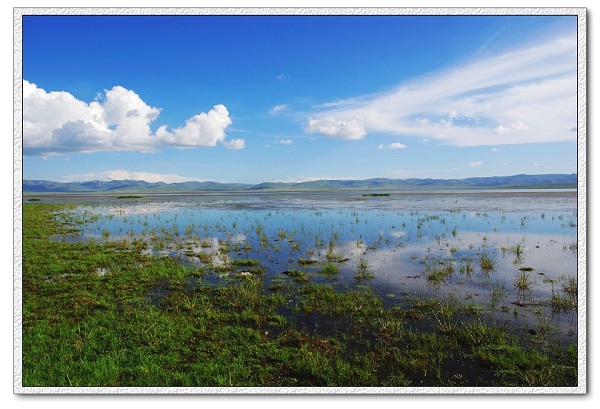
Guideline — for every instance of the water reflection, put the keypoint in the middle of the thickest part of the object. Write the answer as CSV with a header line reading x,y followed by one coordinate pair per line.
x,y
474,246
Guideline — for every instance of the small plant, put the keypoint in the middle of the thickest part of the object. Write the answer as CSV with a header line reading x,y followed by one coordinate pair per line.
x,y
306,261
518,251
440,272
244,262
498,292
522,282
299,276
330,269
447,316
205,258
362,270
568,299
486,262
570,287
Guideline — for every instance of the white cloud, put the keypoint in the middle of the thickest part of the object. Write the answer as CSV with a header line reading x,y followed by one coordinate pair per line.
x,y
282,77
205,129
234,144
284,141
446,122
475,164
394,145
518,126
56,123
331,127
277,109
120,174
525,95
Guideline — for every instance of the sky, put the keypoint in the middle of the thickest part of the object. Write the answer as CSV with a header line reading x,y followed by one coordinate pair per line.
x,y
288,98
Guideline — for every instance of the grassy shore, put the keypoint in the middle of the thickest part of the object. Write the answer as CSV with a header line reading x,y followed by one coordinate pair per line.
x,y
104,313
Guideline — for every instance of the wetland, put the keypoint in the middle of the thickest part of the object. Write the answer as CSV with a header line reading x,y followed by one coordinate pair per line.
x,y
414,289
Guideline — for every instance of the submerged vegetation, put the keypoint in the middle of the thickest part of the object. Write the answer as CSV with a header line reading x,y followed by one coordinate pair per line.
x,y
120,310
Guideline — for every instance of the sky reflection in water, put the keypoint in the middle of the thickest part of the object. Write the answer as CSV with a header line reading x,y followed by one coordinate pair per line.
x,y
401,237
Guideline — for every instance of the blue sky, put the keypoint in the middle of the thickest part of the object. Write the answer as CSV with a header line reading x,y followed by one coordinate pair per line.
x,y
294,98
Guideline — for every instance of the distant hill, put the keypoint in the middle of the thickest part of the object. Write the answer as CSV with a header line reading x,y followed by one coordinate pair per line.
x,y
548,181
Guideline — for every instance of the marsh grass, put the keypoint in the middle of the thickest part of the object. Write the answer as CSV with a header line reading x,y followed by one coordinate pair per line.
x,y
84,329
486,262
362,269
523,281
438,272
329,269
299,276
565,297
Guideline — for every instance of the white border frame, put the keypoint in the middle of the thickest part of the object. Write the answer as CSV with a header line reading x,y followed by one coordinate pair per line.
x,y
581,14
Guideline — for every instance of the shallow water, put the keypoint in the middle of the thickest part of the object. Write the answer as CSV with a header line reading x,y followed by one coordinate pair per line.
x,y
399,239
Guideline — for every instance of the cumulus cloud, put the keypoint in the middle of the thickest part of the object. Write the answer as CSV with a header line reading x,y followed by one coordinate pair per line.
x,y
56,123
120,174
475,164
331,127
524,95
394,145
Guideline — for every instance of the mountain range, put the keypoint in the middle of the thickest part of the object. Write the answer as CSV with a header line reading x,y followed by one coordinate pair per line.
x,y
548,181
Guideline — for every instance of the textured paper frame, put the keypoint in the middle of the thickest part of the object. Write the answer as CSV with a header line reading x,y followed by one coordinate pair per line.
x,y
581,14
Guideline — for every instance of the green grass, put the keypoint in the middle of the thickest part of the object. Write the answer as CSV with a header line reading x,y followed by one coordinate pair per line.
x,y
245,262
84,329
329,269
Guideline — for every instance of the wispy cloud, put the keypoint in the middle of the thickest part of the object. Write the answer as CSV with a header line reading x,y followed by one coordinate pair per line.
x,y
394,145
525,95
120,174
56,123
476,164
352,128
278,109
282,77
284,141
